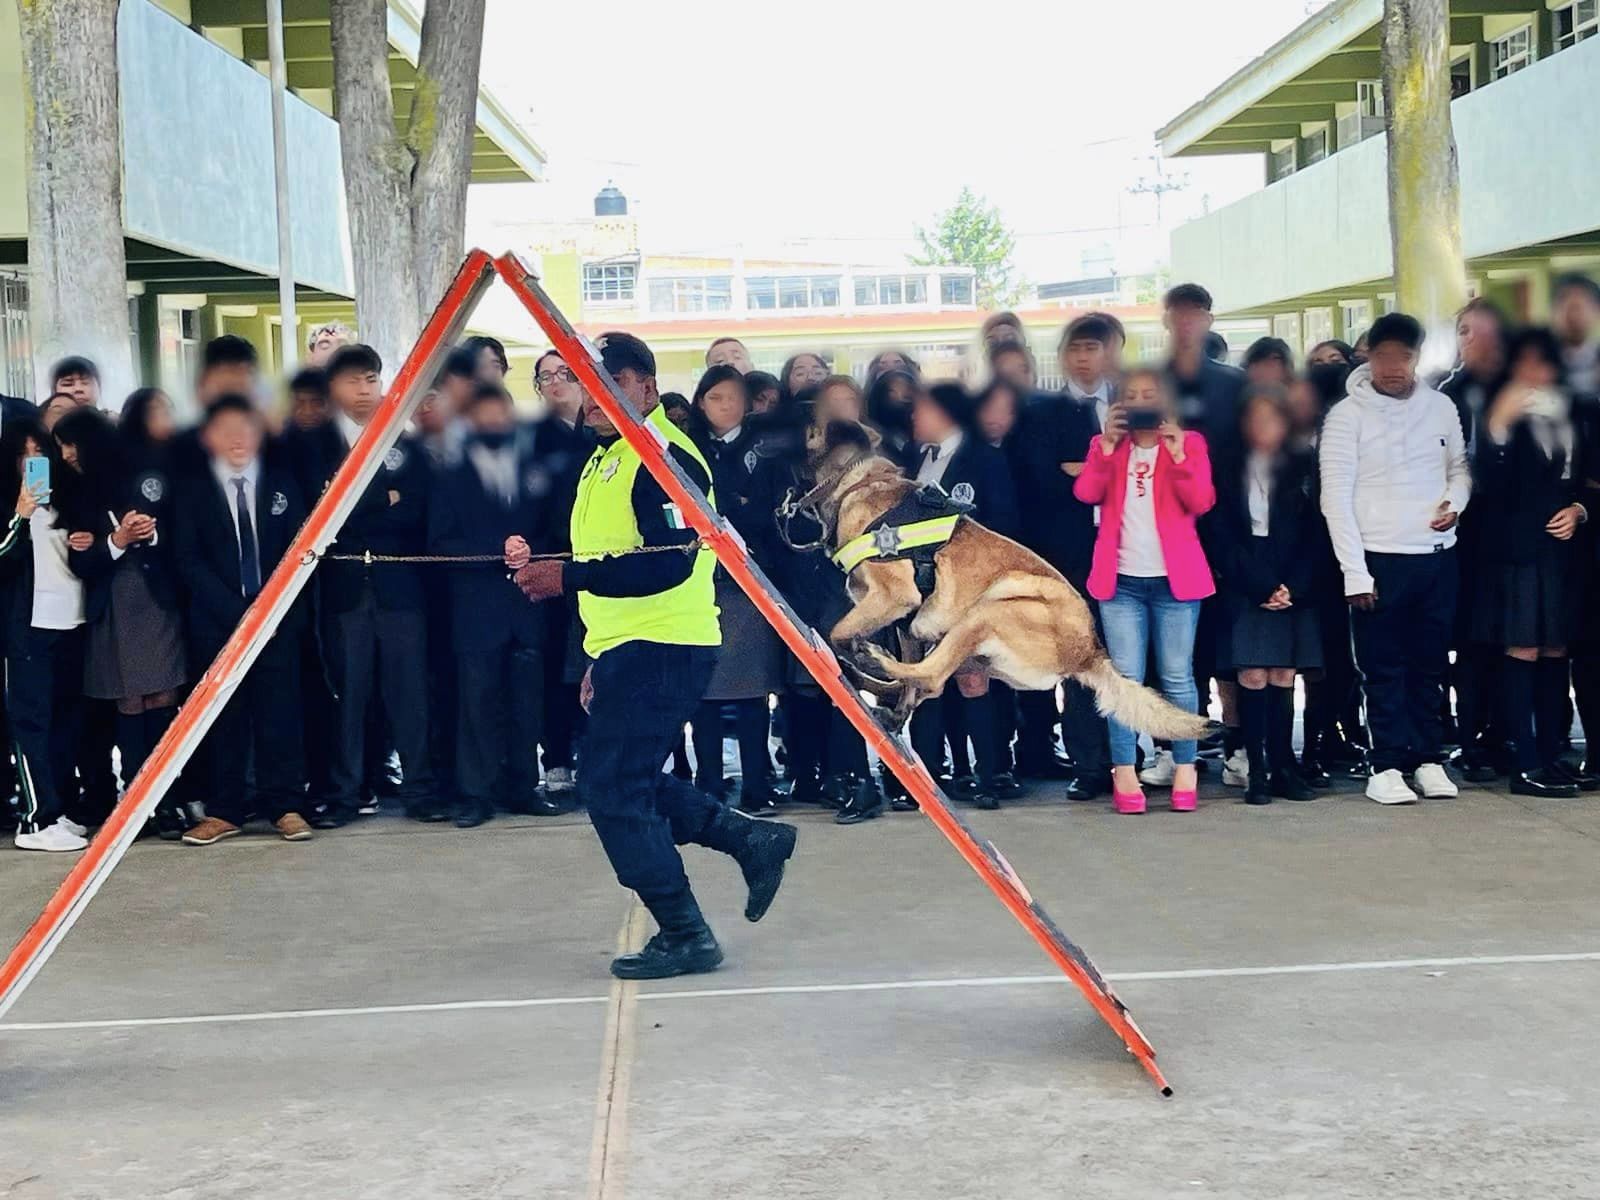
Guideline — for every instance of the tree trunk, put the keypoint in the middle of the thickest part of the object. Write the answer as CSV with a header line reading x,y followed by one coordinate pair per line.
x,y
1424,182
407,196
77,267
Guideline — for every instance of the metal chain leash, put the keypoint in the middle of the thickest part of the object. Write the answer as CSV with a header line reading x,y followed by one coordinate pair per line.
x,y
368,557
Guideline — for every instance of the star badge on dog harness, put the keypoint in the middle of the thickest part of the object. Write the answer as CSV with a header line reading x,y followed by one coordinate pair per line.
x,y
886,539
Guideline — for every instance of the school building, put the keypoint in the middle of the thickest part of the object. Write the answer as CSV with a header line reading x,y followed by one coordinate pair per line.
x,y
199,197
1310,251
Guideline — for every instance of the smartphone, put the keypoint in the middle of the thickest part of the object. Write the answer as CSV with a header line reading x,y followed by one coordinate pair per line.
x,y
1144,418
36,476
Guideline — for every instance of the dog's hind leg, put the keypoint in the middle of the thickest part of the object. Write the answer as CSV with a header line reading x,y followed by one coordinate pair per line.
x,y
955,648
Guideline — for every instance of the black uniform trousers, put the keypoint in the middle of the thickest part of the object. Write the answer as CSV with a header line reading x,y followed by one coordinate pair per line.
x,y
500,692
44,697
644,693
371,648
258,737
1402,651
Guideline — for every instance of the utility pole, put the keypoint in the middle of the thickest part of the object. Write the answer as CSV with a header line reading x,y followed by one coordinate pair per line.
x,y
1160,185
280,179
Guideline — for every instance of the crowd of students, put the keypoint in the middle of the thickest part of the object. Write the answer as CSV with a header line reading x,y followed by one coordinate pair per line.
x,y
1416,555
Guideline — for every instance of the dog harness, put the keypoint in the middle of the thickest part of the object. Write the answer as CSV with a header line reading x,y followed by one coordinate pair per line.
x,y
914,529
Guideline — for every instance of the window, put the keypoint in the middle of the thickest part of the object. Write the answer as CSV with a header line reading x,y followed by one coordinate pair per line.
x,y
1460,77
609,283
1281,162
1576,22
891,289
955,289
1369,98
702,293
1509,54
792,291
761,291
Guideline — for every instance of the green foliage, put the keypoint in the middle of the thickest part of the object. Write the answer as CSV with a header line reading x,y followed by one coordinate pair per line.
x,y
971,233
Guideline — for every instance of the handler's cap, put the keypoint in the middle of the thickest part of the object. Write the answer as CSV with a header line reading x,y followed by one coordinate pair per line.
x,y
624,352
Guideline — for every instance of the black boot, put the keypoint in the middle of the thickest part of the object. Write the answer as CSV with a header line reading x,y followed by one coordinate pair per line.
x,y
685,945
761,848
1542,782
864,802
1285,780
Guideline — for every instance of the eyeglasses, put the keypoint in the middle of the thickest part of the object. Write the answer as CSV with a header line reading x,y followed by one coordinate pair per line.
x,y
559,375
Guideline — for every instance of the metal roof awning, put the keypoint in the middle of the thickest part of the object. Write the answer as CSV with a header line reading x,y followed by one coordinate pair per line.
x,y
502,153
1299,79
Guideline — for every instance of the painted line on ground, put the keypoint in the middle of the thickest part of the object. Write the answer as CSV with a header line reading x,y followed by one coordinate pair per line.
x,y
809,989
608,1146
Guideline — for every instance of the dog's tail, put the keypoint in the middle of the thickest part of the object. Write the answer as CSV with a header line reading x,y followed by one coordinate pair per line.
x,y
1137,707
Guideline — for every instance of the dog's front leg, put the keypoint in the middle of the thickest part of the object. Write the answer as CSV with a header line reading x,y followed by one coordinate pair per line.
x,y
889,594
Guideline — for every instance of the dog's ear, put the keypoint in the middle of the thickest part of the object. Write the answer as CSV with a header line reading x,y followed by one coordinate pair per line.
x,y
849,434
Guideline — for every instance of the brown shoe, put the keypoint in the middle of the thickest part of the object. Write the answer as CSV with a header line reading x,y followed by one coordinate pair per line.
x,y
212,829
292,827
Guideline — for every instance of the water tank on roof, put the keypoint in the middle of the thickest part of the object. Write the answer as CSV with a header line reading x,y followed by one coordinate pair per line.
x,y
610,202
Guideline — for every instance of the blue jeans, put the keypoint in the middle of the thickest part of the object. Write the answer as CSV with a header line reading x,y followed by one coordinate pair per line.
x,y
1142,607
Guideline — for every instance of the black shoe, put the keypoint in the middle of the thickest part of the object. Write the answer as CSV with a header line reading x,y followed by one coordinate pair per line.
x,y
806,791
986,800
1087,787
1311,770
1256,791
1542,782
761,848
669,954
329,818
431,814
758,804
1006,787
1290,786
864,803
966,787
543,806
836,790
170,823
904,803
471,818
1586,779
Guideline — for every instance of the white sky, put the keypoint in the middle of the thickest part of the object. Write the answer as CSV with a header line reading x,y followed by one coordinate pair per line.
x,y
835,126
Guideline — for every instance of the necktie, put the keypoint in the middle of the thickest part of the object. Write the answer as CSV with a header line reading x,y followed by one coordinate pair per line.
x,y
249,564
931,454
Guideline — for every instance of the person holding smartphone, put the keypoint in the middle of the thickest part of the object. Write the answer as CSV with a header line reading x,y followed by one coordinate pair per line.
x,y
44,640
1152,480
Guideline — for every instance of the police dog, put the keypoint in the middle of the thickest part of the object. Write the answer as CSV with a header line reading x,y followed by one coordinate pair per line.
x,y
996,610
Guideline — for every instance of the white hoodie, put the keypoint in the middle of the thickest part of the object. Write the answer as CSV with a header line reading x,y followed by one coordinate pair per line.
x,y
1387,464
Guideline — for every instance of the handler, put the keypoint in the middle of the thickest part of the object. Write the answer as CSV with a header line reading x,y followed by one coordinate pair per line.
x,y
651,622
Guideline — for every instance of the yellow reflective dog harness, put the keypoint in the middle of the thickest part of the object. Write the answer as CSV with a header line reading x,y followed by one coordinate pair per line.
x,y
895,541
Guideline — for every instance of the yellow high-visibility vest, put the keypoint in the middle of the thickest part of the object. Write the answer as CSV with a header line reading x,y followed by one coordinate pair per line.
x,y
603,523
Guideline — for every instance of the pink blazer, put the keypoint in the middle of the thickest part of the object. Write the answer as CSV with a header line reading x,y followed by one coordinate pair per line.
x,y
1183,492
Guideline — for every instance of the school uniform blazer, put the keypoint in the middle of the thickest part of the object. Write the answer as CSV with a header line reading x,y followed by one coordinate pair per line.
x,y
463,518
1053,522
1518,489
96,567
205,549
743,487
980,475
380,522
1183,492
1251,568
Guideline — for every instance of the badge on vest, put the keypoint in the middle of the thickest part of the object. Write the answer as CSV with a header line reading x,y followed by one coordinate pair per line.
x,y
152,489
750,460
395,459
674,516
280,504
610,469
962,493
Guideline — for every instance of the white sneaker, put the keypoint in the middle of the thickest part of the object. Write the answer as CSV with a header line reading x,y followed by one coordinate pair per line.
x,y
559,779
1160,771
1236,769
73,827
1389,787
53,838
1434,783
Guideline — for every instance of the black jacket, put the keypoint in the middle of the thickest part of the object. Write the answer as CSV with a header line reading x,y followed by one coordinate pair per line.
x,y
1251,568
465,518
1053,429
206,549
979,475
147,489
1210,403
744,491
390,518
1517,488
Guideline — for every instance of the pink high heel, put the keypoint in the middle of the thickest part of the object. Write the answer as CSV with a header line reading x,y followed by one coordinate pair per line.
x,y
1127,803
1184,801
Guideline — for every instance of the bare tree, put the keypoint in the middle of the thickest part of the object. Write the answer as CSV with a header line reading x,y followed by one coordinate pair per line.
x,y
1424,180
407,194
77,268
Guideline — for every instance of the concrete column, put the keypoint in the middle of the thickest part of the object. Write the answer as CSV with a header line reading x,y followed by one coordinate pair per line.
x,y
149,348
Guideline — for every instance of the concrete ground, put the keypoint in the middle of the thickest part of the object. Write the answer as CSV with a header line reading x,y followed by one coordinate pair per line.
x,y
1350,1001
